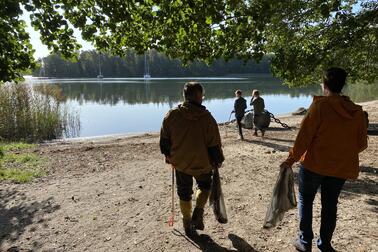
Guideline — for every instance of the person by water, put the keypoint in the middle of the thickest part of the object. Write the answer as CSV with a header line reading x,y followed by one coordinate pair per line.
x,y
240,105
258,110
332,134
191,143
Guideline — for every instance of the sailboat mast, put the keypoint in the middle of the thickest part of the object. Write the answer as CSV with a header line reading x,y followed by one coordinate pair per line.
x,y
146,67
99,64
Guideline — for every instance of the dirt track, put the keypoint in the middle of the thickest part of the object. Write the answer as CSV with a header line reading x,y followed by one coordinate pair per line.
x,y
114,195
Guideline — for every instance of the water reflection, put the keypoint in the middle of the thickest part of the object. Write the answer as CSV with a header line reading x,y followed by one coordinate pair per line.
x,y
170,91
117,106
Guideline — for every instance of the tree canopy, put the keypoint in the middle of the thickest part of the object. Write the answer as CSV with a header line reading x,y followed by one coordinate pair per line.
x,y
303,36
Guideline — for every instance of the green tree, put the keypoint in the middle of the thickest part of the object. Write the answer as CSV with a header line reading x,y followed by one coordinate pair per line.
x,y
304,36
132,65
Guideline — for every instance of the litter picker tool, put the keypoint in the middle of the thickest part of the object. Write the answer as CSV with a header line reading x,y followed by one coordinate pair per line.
x,y
228,122
171,219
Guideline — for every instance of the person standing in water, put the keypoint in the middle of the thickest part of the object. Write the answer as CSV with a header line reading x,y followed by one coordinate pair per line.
x,y
191,143
258,110
240,105
332,134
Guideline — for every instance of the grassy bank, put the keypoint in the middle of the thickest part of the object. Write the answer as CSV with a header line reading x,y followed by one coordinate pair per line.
x,y
18,163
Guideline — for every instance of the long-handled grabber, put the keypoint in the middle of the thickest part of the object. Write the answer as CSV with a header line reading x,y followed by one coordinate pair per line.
x,y
171,219
228,122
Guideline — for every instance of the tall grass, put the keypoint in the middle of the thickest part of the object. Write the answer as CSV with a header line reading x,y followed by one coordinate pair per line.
x,y
35,114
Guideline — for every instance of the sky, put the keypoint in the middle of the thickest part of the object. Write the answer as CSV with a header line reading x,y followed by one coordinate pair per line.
x,y
40,49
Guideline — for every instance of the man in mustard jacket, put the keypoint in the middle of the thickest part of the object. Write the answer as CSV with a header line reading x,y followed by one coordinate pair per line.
x,y
191,143
331,136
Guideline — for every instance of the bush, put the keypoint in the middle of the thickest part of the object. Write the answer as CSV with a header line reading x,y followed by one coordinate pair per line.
x,y
34,114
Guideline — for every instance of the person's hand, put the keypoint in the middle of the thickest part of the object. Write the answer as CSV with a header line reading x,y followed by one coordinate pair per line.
x,y
285,165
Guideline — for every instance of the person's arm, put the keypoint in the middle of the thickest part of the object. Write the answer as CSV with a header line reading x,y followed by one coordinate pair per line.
x,y
306,134
245,105
214,145
165,139
263,103
251,103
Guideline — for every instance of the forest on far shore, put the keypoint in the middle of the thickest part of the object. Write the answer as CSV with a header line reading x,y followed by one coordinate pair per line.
x,y
133,65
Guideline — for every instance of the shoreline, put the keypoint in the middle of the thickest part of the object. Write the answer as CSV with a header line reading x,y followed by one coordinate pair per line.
x,y
109,137
115,195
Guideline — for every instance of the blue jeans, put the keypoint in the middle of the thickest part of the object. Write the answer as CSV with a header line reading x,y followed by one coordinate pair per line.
x,y
309,182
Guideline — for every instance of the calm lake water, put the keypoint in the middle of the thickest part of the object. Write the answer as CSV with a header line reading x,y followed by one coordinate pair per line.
x,y
121,106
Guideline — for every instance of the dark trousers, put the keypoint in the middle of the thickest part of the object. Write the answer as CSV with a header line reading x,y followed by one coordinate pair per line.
x,y
184,184
309,183
238,120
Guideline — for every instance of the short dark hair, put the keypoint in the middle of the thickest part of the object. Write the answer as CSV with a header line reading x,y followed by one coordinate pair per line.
x,y
334,78
191,88
238,92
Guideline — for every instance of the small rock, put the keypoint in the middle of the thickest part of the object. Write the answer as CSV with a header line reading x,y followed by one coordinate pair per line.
x,y
108,239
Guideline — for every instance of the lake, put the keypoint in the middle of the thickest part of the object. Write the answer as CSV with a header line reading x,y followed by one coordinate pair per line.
x,y
134,105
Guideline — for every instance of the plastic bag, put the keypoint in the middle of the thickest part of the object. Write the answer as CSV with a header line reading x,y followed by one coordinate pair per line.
x,y
247,120
283,198
216,198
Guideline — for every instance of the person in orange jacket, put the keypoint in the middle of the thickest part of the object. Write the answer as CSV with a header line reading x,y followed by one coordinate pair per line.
x,y
331,136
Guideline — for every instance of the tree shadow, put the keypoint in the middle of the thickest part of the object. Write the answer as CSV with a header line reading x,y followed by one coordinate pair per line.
x,y
281,128
16,215
274,146
240,244
203,242
280,140
361,186
369,170
374,204
373,129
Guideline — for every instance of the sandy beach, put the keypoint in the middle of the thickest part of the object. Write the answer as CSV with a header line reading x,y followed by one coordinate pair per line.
x,y
114,194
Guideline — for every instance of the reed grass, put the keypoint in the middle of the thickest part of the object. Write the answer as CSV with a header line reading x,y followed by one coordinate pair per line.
x,y
34,114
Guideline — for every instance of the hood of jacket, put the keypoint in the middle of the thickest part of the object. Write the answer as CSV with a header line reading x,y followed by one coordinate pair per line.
x,y
342,105
192,111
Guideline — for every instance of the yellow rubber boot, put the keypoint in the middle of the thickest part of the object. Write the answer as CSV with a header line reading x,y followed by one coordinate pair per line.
x,y
186,211
201,199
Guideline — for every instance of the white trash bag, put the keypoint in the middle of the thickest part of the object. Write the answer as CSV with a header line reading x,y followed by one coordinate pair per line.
x,y
283,198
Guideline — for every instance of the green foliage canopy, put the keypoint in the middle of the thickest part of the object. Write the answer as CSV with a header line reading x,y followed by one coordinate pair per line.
x,y
304,36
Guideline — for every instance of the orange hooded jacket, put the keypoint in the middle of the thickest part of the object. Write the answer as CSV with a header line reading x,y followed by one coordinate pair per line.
x,y
332,134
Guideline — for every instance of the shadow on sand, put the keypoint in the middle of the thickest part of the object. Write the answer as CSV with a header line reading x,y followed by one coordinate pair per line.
x,y
204,242
16,216
373,129
274,146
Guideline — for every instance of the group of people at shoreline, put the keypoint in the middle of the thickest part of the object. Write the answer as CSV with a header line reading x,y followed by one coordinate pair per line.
x,y
332,134
240,105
